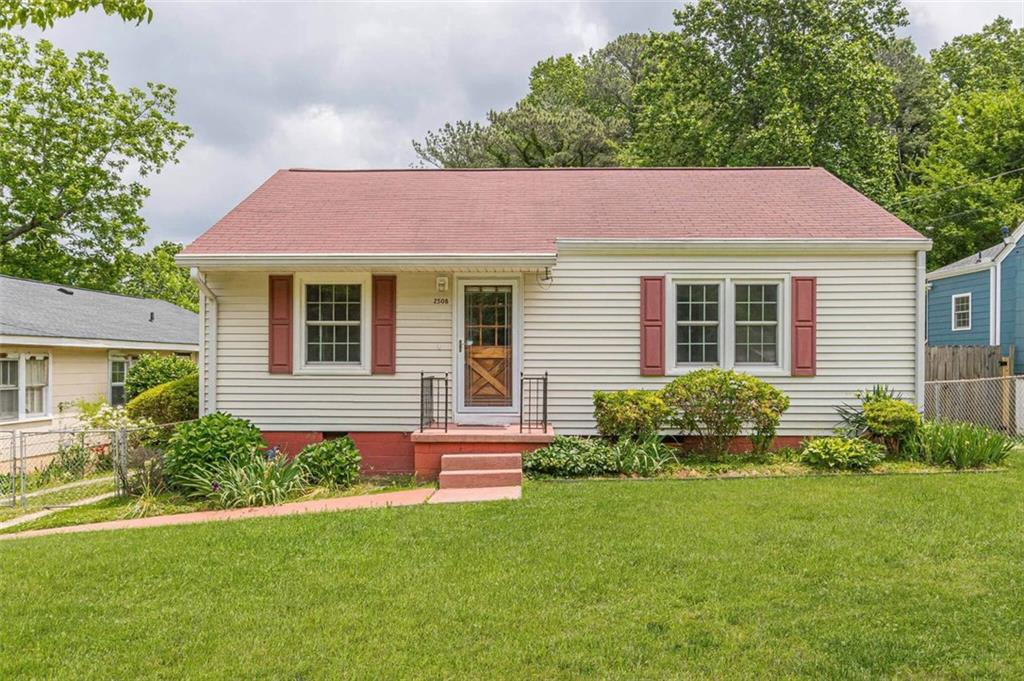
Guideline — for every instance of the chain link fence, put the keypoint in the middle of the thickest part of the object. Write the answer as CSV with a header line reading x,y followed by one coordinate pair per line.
x,y
994,402
52,469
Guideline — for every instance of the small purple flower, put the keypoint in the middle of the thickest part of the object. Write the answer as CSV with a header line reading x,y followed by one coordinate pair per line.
x,y
271,453
215,486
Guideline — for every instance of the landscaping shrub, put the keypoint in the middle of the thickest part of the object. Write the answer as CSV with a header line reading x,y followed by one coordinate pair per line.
x,y
113,418
716,405
842,453
569,457
198,447
851,416
334,463
962,445
256,480
170,402
641,457
630,413
70,463
892,421
151,370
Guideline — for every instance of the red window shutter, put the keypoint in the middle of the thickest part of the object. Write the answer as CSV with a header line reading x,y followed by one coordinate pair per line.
x,y
805,323
652,326
383,329
279,355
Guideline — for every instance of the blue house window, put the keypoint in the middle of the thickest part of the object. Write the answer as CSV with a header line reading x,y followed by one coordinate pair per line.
x,y
962,312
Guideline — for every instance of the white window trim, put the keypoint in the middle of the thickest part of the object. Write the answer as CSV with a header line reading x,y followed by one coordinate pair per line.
x,y
129,360
299,325
970,311
47,412
727,322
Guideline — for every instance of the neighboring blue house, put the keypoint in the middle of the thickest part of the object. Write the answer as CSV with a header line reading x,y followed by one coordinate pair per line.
x,y
980,300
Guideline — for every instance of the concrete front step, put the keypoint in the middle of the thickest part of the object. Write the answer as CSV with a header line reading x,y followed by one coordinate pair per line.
x,y
479,462
507,477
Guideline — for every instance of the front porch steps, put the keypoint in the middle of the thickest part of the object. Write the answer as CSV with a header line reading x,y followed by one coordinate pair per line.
x,y
462,471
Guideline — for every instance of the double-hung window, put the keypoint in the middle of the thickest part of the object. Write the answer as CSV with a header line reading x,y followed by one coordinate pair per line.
x,y
333,321
728,322
962,312
119,366
24,387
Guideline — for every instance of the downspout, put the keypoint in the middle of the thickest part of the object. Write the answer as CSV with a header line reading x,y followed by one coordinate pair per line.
x,y
208,353
919,332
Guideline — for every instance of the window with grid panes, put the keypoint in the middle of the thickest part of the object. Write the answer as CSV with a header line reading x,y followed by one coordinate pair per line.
x,y
333,323
8,389
757,323
697,323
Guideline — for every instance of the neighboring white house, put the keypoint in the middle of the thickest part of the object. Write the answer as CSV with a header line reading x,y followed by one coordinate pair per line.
x,y
60,344
331,298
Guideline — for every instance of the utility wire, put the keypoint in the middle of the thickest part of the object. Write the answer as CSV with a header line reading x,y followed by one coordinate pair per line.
x,y
959,186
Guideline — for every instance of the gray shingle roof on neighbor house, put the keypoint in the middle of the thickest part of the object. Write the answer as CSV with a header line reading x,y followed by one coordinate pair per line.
x,y
984,256
32,308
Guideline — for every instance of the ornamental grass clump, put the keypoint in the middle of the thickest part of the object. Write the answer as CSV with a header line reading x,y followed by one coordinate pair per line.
x,y
265,479
717,405
962,445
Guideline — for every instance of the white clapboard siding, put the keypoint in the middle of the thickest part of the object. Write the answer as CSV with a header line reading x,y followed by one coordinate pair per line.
x,y
583,328
348,402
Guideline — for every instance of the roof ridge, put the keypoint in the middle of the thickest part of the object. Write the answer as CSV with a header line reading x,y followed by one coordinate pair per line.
x,y
512,170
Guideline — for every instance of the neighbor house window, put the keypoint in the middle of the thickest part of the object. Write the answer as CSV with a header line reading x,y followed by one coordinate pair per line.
x,y
962,312
118,372
757,323
731,322
333,319
37,374
24,386
8,389
697,323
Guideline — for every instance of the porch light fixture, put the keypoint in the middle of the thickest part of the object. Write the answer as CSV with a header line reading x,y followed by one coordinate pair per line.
x,y
544,280
442,284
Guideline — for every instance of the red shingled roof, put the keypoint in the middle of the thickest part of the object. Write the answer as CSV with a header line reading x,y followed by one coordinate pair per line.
x,y
525,210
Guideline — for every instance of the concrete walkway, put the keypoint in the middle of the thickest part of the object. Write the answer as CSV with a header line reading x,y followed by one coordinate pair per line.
x,y
50,510
406,498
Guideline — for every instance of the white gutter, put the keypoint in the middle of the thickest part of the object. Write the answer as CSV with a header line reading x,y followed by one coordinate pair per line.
x,y
207,352
919,339
101,343
994,303
390,261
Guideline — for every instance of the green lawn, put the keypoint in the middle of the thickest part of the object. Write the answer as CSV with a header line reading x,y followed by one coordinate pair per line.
x,y
831,577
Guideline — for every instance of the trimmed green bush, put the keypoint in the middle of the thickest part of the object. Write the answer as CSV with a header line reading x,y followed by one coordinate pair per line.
x,y
170,402
333,463
198,447
892,421
717,405
851,416
842,453
962,445
644,457
630,413
151,370
257,480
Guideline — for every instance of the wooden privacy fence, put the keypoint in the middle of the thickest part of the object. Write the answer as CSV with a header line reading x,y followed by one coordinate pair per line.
x,y
956,362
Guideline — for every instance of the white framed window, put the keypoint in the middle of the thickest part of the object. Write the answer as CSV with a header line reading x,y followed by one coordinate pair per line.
x,y
332,333
962,312
119,366
698,323
24,387
734,321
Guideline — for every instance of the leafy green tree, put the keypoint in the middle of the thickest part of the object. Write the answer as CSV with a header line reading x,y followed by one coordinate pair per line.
x,y
919,93
971,181
578,112
990,58
154,274
43,13
70,142
151,370
772,82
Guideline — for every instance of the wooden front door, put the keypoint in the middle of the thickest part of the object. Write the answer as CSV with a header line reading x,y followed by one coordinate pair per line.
x,y
488,337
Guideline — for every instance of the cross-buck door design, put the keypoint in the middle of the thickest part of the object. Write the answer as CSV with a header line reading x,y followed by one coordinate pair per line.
x,y
488,351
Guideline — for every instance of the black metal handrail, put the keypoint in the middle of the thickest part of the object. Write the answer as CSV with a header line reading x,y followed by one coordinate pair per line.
x,y
533,402
435,401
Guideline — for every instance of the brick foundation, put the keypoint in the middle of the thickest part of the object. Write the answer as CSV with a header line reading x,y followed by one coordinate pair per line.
x,y
382,453
743,444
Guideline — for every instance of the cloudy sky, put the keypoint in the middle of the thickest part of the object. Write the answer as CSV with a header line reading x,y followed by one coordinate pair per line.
x,y
268,85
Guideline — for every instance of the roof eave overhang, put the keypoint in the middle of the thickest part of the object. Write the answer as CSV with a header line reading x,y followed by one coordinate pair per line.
x,y
97,343
744,246
386,261
967,269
